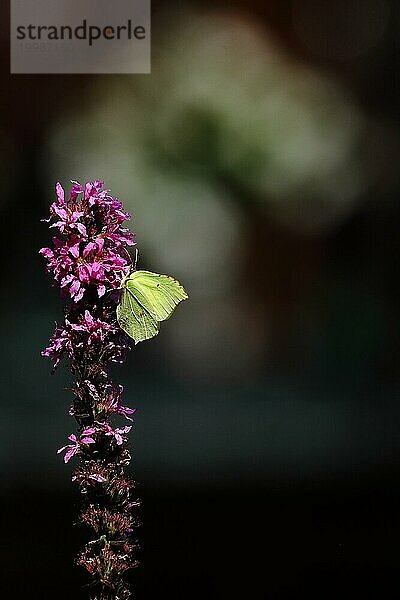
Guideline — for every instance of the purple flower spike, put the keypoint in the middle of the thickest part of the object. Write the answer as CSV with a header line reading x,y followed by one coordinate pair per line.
x,y
87,260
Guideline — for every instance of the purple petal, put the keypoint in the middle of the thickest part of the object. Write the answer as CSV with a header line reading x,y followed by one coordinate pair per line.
x,y
90,247
89,431
75,286
59,224
61,212
83,273
77,327
88,440
79,295
100,245
82,229
125,411
125,429
60,193
76,190
96,267
89,319
70,453
46,252
74,250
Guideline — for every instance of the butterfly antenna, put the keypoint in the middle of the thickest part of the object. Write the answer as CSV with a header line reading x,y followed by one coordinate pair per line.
x,y
136,259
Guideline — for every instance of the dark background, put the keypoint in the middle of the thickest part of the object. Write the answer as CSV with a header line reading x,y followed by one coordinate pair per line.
x,y
261,167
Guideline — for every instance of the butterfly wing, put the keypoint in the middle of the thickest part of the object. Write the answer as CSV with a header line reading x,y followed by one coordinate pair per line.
x,y
134,319
158,295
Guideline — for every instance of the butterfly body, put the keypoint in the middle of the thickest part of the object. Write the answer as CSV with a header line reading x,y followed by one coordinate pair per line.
x,y
147,299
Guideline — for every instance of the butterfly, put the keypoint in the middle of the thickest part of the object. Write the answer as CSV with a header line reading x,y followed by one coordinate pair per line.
x,y
147,299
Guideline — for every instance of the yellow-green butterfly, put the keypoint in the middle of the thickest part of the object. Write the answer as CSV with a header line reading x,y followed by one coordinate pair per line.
x,y
147,299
